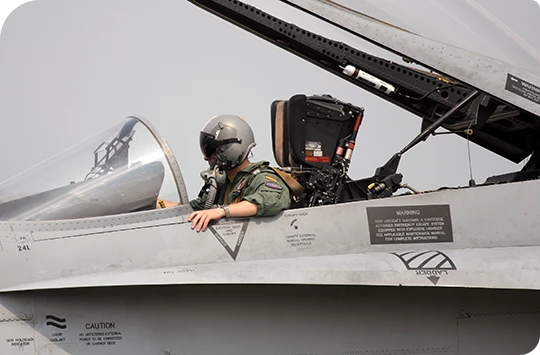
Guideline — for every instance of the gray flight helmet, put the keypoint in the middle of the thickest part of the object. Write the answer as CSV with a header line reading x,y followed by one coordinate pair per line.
x,y
226,141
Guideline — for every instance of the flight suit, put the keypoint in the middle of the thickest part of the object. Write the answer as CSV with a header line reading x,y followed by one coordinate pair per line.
x,y
266,190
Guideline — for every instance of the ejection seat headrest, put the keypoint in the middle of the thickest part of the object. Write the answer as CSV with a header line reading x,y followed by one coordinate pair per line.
x,y
281,134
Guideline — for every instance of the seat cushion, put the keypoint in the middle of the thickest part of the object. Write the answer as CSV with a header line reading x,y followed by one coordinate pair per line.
x,y
280,136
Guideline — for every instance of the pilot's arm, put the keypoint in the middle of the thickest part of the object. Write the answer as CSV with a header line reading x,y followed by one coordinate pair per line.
x,y
267,195
200,219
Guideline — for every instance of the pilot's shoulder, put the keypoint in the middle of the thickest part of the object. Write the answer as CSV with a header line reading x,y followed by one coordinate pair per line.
x,y
263,168
269,180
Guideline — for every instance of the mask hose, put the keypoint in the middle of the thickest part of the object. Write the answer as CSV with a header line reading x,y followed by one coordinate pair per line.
x,y
213,178
211,184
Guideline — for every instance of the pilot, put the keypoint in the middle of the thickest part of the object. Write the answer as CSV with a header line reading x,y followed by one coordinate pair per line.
x,y
250,189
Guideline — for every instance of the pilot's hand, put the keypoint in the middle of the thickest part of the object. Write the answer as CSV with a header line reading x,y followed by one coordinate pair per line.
x,y
200,219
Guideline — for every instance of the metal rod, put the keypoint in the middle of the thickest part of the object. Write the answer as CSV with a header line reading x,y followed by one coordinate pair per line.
x,y
405,186
425,133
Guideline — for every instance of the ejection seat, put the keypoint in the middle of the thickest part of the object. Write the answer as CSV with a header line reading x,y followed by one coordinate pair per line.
x,y
312,139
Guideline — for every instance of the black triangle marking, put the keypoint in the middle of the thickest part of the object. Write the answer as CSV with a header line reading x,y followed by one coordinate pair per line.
x,y
232,253
434,279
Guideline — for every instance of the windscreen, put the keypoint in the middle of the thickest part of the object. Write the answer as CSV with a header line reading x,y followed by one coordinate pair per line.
x,y
122,169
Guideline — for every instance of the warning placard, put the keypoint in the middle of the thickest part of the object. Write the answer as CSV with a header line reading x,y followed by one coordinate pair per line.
x,y
522,88
410,224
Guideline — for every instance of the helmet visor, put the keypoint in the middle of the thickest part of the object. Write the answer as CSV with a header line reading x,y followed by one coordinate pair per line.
x,y
209,144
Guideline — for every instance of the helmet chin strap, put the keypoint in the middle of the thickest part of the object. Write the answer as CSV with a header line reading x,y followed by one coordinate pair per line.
x,y
221,160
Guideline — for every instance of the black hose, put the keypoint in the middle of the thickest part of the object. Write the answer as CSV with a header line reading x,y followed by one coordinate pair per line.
x,y
212,192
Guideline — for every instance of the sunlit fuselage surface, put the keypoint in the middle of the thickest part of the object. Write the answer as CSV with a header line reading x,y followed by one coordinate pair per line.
x,y
120,170
426,305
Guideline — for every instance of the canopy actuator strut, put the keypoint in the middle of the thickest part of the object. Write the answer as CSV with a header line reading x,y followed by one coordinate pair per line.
x,y
391,166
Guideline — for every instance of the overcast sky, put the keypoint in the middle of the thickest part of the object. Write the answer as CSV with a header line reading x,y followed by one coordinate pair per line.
x,y
70,69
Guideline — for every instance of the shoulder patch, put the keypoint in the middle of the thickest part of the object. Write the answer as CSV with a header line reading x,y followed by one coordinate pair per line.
x,y
273,185
268,177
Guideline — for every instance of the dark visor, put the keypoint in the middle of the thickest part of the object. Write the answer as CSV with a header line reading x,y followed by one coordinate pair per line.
x,y
209,144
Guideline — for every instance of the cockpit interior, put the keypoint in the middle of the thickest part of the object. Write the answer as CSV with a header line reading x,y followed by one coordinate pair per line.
x,y
130,168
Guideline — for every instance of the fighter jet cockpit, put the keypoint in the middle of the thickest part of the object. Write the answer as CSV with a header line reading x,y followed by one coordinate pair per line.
x,y
123,169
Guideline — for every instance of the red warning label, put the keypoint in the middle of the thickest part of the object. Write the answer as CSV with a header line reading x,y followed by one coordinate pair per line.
x,y
313,159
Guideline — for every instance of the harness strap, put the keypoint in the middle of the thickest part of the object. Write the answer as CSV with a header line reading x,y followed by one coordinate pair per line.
x,y
293,185
291,182
239,192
